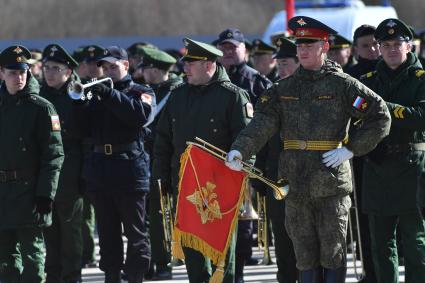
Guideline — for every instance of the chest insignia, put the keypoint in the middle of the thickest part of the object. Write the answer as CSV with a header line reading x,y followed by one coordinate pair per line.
x,y
289,98
398,112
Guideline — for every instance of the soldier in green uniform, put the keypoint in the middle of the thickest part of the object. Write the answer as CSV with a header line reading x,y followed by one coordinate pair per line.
x,y
311,110
267,160
340,51
391,171
208,106
156,67
263,61
63,239
31,156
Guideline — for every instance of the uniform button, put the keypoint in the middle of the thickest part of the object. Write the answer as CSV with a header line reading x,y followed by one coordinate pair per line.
x,y
24,149
20,138
303,145
212,120
26,183
215,130
173,119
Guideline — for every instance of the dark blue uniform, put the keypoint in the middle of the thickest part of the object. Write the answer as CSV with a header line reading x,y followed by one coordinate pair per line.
x,y
117,172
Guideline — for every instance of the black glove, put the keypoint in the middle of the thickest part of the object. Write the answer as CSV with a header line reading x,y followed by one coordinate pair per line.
x,y
43,205
101,90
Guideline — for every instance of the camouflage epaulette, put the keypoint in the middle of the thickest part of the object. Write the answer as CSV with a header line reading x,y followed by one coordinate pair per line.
x,y
368,75
231,87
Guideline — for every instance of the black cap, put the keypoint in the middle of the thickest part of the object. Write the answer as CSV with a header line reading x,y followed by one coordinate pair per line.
x,y
92,53
56,53
285,49
363,30
274,37
78,54
307,29
248,45
231,35
196,51
112,54
337,41
15,57
260,47
390,29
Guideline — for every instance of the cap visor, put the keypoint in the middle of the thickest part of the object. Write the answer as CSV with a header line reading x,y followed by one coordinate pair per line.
x,y
305,40
109,59
232,41
18,66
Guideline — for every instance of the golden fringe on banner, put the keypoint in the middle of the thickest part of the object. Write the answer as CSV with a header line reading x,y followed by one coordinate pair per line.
x,y
185,239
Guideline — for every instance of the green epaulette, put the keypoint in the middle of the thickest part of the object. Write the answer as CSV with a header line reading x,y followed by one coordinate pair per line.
x,y
38,100
231,87
367,75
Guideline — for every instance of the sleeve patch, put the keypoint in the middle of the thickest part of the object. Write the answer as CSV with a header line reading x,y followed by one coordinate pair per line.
x,y
56,124
249,110
398,112
360,103
146,98
419,73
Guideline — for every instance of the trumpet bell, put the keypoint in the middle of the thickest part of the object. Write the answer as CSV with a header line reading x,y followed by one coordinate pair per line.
x,y
76,90
281,189
248,212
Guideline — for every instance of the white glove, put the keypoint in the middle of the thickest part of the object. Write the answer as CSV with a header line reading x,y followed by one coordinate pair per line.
x,y
234,160
335,157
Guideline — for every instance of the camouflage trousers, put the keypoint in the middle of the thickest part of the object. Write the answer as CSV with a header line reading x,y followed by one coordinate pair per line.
x,y
318,230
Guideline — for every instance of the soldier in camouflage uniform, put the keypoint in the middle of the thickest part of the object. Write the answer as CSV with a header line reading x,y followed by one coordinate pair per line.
x,y
31,156
208,106
391,172
312,109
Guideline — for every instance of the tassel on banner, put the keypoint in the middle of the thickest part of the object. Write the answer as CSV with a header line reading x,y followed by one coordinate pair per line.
x,y
218,275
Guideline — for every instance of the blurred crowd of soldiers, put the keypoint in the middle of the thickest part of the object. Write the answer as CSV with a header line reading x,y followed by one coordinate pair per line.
x,y
104,166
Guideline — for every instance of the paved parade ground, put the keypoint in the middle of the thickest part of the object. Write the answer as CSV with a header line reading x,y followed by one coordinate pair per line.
x,y
253,274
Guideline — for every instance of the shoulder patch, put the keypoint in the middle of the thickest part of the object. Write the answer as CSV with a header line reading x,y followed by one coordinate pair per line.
x,y
360,103
56,124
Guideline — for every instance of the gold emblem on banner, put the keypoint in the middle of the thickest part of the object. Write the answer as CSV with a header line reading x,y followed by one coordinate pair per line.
x,y
206,203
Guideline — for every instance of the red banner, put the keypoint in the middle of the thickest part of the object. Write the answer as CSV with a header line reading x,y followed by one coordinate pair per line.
x,y
210,195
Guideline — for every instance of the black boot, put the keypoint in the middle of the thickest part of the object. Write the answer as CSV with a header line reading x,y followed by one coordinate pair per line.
x,y
335,275
113,276
135,277
163,272
311,275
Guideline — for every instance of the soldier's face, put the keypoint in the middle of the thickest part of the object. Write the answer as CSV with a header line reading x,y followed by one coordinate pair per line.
x,y
116,71
394,52
367,47
311,55
341,56
56,74
263,63
232,54
196,72
15,80
287,66
93,70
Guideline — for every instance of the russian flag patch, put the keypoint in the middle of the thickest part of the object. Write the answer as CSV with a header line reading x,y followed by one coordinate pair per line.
x,y
360,103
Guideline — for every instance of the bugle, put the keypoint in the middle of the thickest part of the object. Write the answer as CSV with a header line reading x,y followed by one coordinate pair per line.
x,y
263,236
280,190
76,89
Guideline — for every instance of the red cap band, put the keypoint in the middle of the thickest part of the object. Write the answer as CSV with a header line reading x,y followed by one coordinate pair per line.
x,y
311,33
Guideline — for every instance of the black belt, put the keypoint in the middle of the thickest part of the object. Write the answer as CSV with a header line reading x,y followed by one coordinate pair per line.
x,y
14,175
109,149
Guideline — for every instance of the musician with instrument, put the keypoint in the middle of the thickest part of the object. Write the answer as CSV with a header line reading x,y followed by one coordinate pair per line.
x,y
117,170
311,110
208,106
63,239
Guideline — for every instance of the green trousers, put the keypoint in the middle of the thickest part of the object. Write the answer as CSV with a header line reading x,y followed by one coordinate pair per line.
x,y
88,228
199,268
21,255
64,245
384,247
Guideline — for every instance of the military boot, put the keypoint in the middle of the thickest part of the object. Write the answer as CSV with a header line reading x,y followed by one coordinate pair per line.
x,y
113,276
311,275
335,275
135,277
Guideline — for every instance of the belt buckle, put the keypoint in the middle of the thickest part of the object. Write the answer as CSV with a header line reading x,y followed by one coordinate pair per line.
x,y
303,145
107,149
3,177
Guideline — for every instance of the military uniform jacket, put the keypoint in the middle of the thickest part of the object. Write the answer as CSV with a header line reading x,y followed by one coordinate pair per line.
x,y
215,112
31,146
316,106
390,176
117,119
250,80
70,177
362,67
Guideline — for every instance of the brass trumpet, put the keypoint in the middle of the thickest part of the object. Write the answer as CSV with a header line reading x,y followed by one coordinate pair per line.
x,y
280,190
263,237
167,219
76,89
